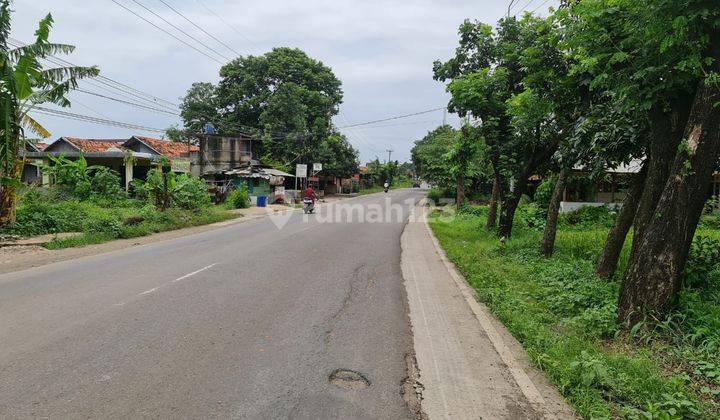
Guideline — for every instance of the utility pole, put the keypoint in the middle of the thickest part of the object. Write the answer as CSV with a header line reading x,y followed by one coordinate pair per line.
x,y
389,153
445,117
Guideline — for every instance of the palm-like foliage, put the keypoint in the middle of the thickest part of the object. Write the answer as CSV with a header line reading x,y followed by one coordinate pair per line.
x,y
24,84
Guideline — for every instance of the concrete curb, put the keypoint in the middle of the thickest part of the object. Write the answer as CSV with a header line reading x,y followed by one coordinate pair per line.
x,y
507,347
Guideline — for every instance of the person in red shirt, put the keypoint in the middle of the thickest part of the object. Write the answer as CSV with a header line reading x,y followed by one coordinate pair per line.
x,y
310,193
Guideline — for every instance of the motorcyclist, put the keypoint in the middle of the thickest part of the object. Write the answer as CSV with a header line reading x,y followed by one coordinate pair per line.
x,y
310,193
386,186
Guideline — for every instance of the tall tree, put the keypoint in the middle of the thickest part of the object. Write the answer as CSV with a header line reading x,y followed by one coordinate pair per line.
x,y
199,107
338,157
621,45
286,94
429,153
653,276
488,81
24,84
658,58
464,160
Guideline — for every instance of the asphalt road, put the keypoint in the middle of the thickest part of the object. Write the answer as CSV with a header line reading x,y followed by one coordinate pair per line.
x,y
247,321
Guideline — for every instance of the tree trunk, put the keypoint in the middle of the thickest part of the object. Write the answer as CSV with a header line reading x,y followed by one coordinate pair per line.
x,y
460,191
509,206
9,196
666,133
652,279
547,245
616,238
492,210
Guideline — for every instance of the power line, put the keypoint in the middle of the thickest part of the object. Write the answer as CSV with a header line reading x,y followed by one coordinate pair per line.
x,y
393,118
93,120
225,22
200,28
126,102
541,5
103,80
180,29
397,124
512,2
122,94
168,32
526,5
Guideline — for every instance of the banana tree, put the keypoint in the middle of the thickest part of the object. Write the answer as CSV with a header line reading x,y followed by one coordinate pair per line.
x,y
24,84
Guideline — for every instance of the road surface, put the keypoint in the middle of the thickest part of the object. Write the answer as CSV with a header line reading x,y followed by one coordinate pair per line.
x,y
248,321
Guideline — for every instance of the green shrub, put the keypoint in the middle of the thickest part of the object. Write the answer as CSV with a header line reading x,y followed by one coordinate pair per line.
x,y
703,265
108,224
139,190
543,194
435,195
588,216
529,216
192,192
105,184
239,198
468,209
38,217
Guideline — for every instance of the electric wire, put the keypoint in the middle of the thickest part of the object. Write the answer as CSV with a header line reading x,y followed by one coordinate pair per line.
x,y
541,5
200,28
225,22
394,118
167,32
180,30
95,120
106,81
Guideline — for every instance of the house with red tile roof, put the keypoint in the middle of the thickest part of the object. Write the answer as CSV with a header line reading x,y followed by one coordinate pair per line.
x,y
130,158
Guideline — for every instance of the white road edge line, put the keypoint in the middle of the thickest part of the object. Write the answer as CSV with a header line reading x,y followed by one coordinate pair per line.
x,y
521,377
154,289
194,272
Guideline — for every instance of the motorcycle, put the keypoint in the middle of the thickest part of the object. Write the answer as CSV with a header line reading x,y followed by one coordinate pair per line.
x,y
308,205
386,190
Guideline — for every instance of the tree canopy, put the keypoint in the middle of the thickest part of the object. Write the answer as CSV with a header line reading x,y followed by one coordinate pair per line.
x,y
599,83
284,97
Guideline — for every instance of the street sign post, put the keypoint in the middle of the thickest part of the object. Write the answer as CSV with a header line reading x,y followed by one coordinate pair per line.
x,y
317,167
300,172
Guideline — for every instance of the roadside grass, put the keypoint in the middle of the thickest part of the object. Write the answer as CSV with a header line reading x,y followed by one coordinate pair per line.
x,y
103,220
565,319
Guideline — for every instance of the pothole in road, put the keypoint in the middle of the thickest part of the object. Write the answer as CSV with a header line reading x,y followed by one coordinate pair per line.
x,y
349,379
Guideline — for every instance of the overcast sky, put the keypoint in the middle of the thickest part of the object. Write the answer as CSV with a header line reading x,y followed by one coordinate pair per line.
x,y
381,50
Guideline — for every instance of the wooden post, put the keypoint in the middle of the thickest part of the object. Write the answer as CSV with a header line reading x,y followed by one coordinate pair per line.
x,y
129,166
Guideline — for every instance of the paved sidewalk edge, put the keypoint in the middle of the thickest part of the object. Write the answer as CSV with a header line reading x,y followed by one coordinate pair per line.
x,y
510,350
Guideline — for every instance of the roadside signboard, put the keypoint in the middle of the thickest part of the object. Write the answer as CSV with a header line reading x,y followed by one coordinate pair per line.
x,y
301,170
317,167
